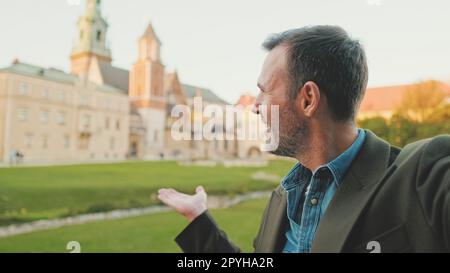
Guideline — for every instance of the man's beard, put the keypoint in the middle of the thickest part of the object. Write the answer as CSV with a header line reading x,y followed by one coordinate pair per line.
x,y
293,133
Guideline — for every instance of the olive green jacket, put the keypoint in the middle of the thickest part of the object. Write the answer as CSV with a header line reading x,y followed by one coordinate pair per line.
x,y
389,201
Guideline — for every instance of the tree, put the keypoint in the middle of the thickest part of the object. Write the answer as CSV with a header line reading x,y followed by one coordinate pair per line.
x,y
421,100
423,113
402,130
378,125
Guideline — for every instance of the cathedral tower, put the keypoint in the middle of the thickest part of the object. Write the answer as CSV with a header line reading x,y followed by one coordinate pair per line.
x,y
146,91
91,41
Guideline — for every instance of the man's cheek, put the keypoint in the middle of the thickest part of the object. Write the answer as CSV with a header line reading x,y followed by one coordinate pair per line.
x,y
270,115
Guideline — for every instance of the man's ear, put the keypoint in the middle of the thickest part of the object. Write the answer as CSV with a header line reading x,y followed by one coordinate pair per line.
x,y
308,99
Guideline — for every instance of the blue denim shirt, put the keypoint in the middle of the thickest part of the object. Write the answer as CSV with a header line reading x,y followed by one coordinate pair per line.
x,y
309,193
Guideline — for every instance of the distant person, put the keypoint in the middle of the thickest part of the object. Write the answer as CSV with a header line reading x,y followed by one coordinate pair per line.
x,y
19,157
350,190
12,157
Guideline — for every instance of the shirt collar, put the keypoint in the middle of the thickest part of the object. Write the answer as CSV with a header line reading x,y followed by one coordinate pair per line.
x,y
291,179
340,164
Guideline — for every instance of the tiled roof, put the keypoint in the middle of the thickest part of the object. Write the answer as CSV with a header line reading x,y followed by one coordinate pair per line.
x,y
389,97
246,100
173,89
207,95
149,32
51,74
116,77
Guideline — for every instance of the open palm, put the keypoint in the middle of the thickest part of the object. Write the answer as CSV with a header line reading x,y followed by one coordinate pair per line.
x,y
190,206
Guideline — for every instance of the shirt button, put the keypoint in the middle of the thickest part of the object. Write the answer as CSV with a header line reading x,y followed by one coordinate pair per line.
x,y
314,201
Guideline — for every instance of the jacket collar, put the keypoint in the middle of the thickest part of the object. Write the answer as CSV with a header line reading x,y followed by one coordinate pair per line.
x,y
359,184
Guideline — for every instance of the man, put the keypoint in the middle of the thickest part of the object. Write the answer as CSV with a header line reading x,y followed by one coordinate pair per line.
x,y
350,191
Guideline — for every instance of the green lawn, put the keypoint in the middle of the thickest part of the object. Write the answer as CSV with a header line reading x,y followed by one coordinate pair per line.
x,y
33,193
151,233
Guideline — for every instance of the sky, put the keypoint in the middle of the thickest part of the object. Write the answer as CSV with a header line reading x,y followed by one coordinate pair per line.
x,y
217,44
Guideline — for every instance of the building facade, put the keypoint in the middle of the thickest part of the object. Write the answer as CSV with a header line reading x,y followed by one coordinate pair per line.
x,y
48,115
99,111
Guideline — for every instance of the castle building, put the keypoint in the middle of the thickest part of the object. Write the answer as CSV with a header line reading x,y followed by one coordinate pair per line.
x,y
99,111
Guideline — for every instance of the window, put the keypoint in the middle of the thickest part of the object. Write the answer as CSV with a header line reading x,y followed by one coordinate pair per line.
x,y
62,96
61,119
155,136
28,140
45,93
24,89
99,36
44,142
66,142
23,114
118,125
83,141
86,121
44,116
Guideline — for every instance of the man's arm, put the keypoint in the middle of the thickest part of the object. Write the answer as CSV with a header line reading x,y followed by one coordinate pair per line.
x,y
433,186
202,235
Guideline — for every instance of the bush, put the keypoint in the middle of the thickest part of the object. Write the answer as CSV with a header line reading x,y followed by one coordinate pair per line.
x,y
401,130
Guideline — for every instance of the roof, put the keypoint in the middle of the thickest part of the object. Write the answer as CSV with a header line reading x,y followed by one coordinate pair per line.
x,y
246,100
52,74
207,95
150,33
114,76
173,89
390,97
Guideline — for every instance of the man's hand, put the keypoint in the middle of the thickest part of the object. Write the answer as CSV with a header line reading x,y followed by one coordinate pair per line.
x,y
190,206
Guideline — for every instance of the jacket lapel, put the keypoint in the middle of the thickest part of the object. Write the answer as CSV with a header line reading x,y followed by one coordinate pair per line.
x,y
274,224
356,189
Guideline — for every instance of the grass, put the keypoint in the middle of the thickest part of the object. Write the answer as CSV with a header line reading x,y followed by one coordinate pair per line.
x,y
150,233
32,193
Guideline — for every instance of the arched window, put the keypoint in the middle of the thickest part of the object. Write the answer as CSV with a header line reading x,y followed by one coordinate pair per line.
x,y
99,35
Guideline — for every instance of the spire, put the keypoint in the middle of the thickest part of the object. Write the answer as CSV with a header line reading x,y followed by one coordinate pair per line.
x,y
149,45
150,34
91,40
